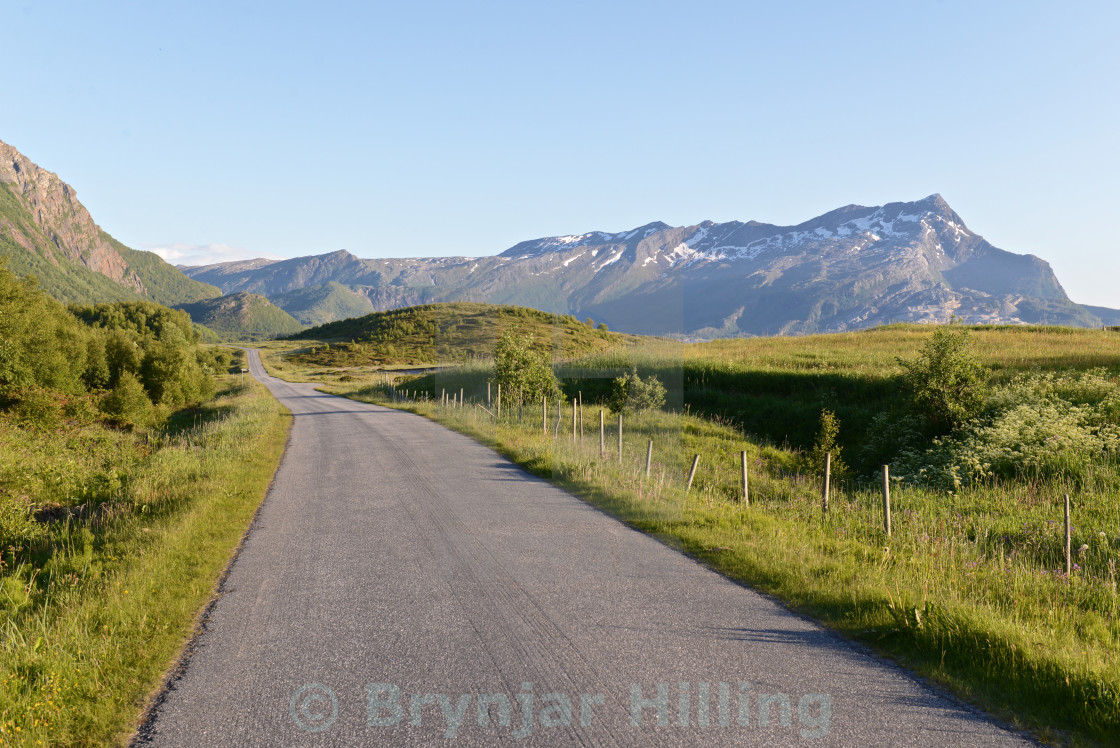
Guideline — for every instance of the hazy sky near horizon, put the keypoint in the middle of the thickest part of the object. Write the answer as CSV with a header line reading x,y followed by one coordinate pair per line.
x,y
230,130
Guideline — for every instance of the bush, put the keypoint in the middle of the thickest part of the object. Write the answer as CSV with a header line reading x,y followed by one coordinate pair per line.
x,y
96,375
827,443
1039,426
520,369
17,527
37,408
632,393
946,381
127,403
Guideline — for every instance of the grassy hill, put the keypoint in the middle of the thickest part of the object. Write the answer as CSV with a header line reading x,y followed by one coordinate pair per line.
x,y
242,316
320,304
451,332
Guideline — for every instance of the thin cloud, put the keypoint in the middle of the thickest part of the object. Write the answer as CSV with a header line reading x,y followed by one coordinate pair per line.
x,y
205,254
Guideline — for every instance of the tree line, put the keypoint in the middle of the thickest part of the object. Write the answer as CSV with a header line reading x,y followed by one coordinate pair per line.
x,y
127,363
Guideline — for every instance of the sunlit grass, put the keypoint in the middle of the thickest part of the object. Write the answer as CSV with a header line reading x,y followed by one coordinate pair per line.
x,y
970,589
138,529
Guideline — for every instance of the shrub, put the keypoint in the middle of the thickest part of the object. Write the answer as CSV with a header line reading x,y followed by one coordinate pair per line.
x,y
127,403
122,354
946,381
37,408
17,527
520,369
1038,426
632,393
827,443
96,375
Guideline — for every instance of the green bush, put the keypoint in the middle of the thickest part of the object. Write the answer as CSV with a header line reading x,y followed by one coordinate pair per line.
x,y
1038,426
631,393
37,408
828,443
122,354
18,528
82,410
519,368
96,375
127,403
946,381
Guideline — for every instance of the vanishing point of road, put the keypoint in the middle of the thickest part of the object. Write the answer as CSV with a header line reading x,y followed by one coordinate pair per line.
x,y
404,585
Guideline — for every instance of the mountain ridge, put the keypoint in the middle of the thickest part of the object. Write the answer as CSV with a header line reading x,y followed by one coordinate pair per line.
x,y
45,231
855,266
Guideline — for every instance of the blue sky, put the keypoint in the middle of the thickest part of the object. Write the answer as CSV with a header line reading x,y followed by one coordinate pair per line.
x,y
229,130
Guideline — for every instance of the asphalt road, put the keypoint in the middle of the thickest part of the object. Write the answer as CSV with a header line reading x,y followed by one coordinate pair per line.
x,y
399,576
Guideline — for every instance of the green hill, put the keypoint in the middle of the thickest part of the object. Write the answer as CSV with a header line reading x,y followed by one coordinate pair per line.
x,y
322,303
451,332
242,316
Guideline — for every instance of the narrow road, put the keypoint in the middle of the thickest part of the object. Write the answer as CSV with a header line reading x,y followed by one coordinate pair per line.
x,y
404,585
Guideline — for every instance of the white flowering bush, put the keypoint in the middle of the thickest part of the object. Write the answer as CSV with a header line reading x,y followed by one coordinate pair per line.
x,y
1042,425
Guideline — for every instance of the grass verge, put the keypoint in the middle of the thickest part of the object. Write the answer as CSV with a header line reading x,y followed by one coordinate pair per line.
x,y
129,554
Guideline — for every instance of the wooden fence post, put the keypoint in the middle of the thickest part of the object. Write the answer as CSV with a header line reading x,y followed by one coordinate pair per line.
x,y
443,396
1069,560
746,493
499,401
544,414
460,397
649,457
887,500
692,473
827,480
488,403
575,415
620,437
581,416
520,403
602,435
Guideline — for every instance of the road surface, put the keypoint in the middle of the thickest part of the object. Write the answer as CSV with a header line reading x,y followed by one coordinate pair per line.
x,y
404,585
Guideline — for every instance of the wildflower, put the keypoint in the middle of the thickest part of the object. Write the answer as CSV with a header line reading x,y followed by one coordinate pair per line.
x,y
1082,549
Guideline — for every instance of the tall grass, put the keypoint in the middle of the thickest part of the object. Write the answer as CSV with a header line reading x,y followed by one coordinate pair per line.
x,y
135,531
969,591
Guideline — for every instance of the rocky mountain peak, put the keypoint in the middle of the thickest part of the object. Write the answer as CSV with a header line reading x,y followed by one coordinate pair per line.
x,y
54,207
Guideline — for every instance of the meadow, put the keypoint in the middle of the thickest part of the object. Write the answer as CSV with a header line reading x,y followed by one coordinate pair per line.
x,y
131,532
969,590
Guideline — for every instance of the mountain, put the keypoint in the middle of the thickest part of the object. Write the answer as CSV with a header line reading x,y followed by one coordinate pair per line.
x,y
324,302
46,232
851,268
1108,316
242,315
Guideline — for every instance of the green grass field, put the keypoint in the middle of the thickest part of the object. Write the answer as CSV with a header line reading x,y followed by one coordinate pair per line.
x,y
134,530
970,589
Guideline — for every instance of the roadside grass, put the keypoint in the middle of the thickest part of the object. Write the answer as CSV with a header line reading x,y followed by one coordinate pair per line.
x,y
969,591
774,389
133,533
